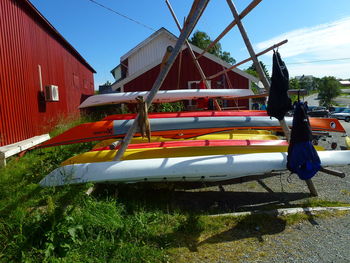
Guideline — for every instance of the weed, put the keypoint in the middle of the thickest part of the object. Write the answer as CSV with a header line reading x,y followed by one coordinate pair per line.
x,y
316,202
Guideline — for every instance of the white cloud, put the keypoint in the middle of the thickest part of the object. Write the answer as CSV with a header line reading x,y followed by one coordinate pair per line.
x,y
321,42
339,70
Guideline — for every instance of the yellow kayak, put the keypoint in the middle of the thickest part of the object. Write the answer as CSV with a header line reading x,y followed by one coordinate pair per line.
x,y
161,152
212,136
347,142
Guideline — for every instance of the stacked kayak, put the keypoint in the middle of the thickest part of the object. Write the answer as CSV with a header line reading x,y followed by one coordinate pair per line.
x,y
182,169
227,135
163,96
182,127
185,146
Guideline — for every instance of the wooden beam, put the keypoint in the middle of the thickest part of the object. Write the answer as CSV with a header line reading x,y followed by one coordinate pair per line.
x,y
163,73
187,44
249,8
249,46
248,59
258,67
195,61
311,187
332,172
193,8
263,78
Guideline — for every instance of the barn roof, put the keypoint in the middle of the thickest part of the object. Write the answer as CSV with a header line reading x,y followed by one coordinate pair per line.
x,y
35,12
195,48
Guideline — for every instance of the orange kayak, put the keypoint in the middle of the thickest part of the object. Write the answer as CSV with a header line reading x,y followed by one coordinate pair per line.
x,y
182,127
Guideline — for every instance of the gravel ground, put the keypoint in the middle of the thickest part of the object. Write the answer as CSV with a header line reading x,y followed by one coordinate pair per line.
x,y
314,240
321,240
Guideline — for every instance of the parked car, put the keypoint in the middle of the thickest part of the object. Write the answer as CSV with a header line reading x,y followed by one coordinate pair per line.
x,y
344,115
336,109
318,111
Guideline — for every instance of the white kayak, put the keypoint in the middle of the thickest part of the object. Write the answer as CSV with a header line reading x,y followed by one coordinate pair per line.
x,y
182,169
163,96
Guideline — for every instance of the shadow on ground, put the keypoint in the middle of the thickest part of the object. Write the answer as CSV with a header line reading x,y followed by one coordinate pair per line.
x,y
255,226
204,202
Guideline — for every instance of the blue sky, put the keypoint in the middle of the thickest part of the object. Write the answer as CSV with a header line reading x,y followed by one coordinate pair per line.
x,y
318,30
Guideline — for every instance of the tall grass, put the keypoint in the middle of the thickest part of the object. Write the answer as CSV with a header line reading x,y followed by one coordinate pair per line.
x,y
64,224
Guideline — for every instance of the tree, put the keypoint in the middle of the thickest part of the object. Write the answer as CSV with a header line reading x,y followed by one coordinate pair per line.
x,y
328,88
202,40
294,83
108,83
252,69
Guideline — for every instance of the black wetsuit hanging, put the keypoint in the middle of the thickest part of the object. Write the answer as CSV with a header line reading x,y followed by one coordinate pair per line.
x,y
302,157
279,103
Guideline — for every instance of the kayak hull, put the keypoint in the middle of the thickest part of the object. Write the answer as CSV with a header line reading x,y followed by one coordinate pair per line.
x,y
211,168
155,115
183,127
182,149
212,136
164,96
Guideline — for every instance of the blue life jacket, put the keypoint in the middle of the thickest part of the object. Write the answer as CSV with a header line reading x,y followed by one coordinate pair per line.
x,y
302,157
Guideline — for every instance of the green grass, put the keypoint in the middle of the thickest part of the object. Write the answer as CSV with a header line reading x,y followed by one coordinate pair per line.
x,y
115,224
64,224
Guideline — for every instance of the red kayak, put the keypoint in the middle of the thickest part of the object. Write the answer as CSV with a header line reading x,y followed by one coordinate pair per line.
x,y
201,143
154,115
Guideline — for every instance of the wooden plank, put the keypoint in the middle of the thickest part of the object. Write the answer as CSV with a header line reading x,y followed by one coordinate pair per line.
x,y
15,148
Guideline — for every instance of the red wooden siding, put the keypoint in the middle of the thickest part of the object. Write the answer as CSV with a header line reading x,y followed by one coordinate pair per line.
x,y
189,72
26,41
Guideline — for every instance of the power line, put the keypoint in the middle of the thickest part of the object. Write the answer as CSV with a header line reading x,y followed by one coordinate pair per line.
x,y
312,61
124,16
321,60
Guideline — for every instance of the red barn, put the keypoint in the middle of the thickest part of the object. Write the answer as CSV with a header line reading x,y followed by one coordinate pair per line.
x,y
139,68
42,77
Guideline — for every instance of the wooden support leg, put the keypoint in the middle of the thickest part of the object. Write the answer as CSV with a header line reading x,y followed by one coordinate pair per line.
x,y
2,160
221,188
311,187
332,172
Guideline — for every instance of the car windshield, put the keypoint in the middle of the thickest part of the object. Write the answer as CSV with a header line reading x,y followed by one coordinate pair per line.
x,y
339,110
318,108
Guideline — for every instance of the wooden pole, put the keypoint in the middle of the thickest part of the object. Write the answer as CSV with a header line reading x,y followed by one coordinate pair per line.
x,y
252,54
263,79
188,28
249,46
311,187
249,8
199,68
248,59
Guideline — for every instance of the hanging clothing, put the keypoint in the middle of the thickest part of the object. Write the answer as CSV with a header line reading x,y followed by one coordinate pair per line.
x,y
279,103
302,157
